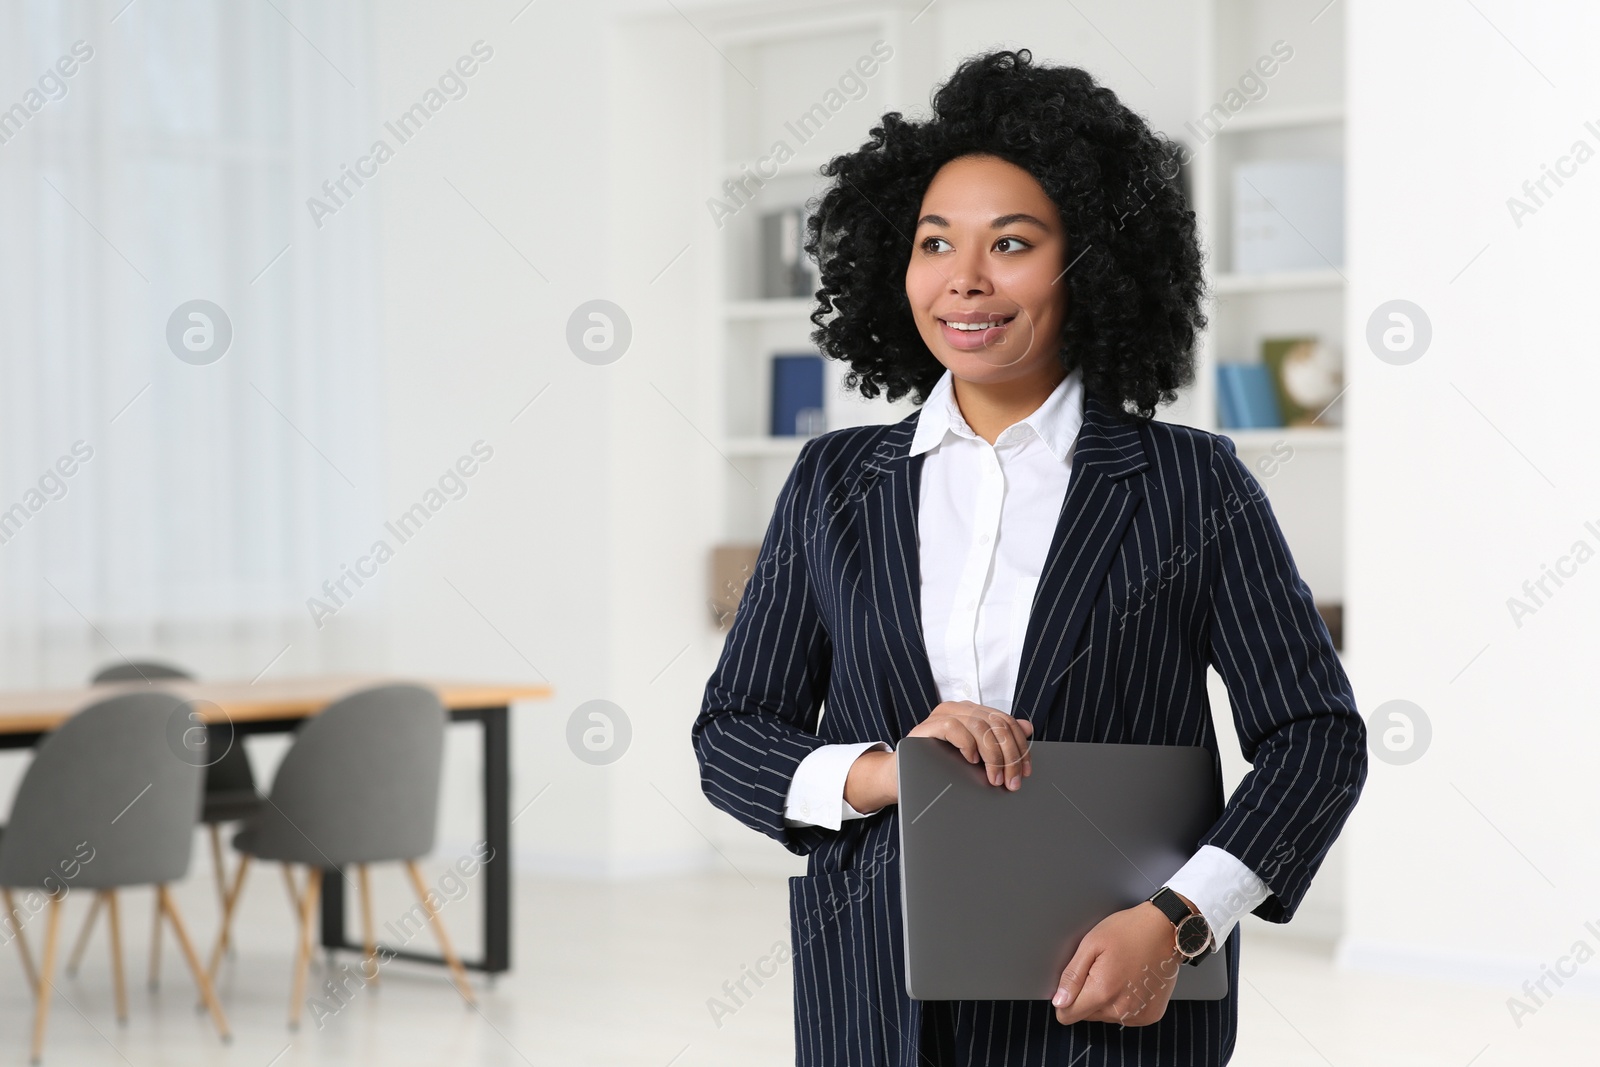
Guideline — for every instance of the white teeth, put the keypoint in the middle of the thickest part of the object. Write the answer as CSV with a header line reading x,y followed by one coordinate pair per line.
x,y
974,325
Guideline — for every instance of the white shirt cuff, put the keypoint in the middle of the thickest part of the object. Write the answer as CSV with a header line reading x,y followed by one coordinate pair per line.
x,y
1222,887
816,792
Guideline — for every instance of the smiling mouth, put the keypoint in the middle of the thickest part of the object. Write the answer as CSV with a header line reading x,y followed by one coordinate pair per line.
x,y
976,327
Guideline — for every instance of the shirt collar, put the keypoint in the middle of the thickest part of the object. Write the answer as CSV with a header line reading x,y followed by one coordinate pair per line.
x,y
1055,422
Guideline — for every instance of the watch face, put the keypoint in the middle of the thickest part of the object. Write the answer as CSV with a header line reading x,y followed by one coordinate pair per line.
x,y
1194,936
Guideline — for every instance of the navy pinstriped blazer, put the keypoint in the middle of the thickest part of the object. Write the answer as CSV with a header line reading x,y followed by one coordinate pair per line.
x,y
1166,558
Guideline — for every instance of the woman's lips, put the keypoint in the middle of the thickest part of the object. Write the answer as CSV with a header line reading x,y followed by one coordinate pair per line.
x,y
967,340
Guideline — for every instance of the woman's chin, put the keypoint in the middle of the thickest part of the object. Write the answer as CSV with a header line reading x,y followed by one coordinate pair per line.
x,y
995,363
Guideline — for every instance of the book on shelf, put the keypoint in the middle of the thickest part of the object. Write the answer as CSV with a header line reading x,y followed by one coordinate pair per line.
x,y
1306,379
1245,399
797,405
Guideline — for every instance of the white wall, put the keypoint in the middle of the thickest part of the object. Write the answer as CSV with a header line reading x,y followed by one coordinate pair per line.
x,y
1469,470
472,333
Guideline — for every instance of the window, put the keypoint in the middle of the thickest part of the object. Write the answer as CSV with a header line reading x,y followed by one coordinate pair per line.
x,y
157,494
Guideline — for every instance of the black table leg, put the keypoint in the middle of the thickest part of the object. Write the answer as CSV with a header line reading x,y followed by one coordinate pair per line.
x,y
332,908
496,869
497,833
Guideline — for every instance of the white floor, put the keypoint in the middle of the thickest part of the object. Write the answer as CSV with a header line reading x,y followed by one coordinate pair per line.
x,y
622,973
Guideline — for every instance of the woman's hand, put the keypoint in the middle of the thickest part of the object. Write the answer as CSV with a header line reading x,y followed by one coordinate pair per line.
x,y
1123,971
983,734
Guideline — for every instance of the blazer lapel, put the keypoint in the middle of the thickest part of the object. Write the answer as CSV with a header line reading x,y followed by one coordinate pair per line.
x,y
889,509
1099,503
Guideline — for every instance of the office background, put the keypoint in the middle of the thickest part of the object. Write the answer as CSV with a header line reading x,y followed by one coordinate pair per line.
x,y
383,328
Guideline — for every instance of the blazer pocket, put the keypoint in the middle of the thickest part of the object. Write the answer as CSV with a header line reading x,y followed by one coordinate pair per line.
x,y
823,935
819,906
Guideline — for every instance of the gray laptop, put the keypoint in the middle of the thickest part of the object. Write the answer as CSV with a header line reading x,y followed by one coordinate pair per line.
x,y
997,888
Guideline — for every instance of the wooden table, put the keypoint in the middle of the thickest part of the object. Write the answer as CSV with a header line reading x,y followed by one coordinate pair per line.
x,y
278,707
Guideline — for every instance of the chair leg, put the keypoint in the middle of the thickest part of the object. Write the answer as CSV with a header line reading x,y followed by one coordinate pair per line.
x,y
302,957
294,891
114,926
83,936
219,871
155,946
230,901
170,908
47,969
369,939
22,942
458,972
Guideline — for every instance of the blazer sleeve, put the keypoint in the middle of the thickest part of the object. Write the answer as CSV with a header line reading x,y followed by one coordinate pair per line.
x,y
1293,706
759,716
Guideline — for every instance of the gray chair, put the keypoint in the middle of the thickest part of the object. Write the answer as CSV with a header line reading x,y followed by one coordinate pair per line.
x,y
230,795
105,803
360,785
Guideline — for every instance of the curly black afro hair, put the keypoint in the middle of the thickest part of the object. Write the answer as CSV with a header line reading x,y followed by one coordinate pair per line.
x,y
1134,287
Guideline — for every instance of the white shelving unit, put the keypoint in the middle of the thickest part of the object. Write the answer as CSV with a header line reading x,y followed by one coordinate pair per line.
x,y
1300,116
781,63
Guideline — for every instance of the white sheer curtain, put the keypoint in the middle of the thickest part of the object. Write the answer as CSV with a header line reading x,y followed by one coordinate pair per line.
x,y
173,164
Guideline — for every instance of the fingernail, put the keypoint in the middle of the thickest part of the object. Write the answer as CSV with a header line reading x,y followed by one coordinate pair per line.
x,y
1060,998
1015,781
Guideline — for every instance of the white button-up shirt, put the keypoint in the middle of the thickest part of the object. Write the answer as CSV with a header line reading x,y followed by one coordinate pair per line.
x,y
986,515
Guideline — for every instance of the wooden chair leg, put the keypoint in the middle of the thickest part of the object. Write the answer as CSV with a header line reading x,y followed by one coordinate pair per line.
x,y
369,966
83,936
219,871
302,956
114,927
294,891
155,946
458,972
230,901
170,908
22,942
47,971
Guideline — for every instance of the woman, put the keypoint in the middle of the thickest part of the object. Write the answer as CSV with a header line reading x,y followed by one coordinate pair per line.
x,y
1030,555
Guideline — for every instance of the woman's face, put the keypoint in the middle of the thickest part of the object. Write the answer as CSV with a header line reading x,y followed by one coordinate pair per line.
x,y
989,248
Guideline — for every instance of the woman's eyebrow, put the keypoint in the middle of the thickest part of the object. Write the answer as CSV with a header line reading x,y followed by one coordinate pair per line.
x,y
999,223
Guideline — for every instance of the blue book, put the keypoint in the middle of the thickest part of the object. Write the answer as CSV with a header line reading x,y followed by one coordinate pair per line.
x,y
1245,397
797,395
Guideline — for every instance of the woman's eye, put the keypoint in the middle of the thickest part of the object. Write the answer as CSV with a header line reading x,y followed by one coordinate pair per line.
x,y
928,241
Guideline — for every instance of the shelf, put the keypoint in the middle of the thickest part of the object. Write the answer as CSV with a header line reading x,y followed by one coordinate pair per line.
x,y
763,447
1294,436
1278,282
798,307
1282,119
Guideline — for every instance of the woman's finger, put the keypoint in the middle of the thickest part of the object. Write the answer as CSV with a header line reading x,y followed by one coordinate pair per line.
x,y
1001,750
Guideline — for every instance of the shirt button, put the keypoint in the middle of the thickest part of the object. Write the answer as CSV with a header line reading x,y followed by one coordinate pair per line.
x,y
971,604
983,540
